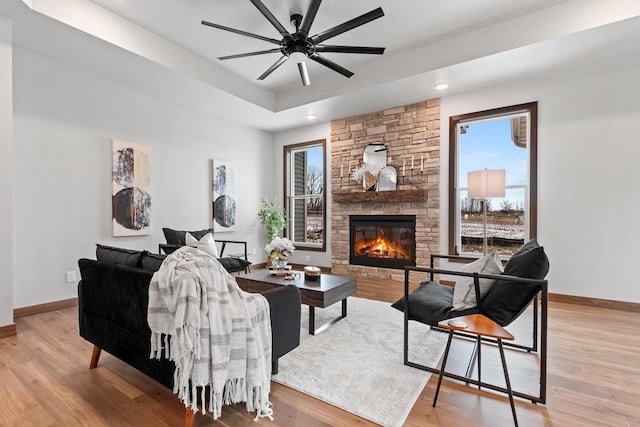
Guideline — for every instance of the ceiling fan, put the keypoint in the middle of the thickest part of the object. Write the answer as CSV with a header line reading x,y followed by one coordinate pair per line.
x,y
300,43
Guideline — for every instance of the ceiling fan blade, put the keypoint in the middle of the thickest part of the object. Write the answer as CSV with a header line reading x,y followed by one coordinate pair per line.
x,y
267,14
328,63
308,18
350,49
271,69
349,25
304,75
242,33
243,55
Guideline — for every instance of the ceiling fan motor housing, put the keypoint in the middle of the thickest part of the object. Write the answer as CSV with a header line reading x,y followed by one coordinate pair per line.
x,y
296,44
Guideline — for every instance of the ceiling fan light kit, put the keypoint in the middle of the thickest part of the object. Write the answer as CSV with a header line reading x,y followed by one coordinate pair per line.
x,y
299,41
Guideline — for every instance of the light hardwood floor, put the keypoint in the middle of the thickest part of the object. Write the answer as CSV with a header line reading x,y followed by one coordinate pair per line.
x,y
594,379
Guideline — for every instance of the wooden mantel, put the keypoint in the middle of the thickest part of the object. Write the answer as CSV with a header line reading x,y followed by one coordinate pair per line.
x,y
380,196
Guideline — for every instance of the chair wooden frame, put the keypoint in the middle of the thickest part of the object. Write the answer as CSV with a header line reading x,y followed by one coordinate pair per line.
x,y
542,316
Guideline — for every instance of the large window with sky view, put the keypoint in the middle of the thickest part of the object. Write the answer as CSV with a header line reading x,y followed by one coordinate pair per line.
x,y
497,140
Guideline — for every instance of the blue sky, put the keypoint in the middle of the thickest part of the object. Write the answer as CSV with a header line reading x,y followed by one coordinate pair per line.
x,y
489,145
314,157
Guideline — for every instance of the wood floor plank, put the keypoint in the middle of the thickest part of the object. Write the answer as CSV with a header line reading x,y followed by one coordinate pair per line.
x,y
594,379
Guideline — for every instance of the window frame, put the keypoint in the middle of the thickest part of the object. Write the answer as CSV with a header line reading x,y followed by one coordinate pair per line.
x,y
288,197
532,109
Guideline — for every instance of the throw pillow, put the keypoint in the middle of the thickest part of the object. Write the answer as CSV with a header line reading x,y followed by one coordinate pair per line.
x,y
464,293
205,244
173,237
506,299
178,237
530,261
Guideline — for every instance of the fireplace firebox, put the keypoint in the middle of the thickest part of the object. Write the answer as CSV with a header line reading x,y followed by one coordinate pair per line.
x,y
387,241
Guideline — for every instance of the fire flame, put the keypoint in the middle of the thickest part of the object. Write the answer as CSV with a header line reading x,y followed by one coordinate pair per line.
x,y
380,248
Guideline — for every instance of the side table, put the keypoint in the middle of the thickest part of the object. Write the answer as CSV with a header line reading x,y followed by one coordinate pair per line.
x,y
478,325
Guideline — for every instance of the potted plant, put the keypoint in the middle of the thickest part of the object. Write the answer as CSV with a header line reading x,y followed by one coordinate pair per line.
x,y
272,218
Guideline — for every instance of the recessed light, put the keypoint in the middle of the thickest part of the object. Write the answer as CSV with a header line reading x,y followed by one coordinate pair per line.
x,y
311,116
441,86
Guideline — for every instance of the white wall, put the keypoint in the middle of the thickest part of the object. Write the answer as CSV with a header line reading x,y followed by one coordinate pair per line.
x,y
63,125
6,169
297,136
588,174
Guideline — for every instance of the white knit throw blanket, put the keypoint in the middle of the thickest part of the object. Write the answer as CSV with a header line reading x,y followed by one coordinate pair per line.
x,y
220,335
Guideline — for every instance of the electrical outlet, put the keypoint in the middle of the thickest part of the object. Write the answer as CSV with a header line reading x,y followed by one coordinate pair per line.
x,y
253,251
71,276
307,258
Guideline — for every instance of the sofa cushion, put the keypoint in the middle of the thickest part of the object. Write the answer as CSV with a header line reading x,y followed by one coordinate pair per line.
x,y
431,303
233,264
507,299
152,262
121,256
177,237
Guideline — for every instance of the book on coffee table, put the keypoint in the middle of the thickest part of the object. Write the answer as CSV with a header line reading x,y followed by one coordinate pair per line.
x,y
281,271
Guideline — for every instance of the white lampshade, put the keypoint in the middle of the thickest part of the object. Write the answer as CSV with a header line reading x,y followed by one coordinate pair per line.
x,y
486,183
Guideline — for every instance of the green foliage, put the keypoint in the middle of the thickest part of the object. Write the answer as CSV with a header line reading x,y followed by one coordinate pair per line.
x,y
272,218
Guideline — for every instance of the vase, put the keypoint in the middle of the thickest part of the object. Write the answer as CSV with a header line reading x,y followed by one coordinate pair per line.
x,y
279,263
369,181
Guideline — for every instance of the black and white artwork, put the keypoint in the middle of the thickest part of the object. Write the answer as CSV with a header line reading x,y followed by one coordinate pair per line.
x,y
131,188
223,196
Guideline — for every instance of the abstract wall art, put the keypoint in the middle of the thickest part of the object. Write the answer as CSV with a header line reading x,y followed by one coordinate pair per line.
x,y
131,183
223,196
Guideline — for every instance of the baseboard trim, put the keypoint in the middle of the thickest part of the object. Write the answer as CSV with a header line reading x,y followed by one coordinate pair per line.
x,y
8,331
596,302
44,308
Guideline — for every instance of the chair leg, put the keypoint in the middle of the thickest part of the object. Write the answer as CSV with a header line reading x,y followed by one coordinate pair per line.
x,y
189,418
479,343
508,383
274,366
444,363
534,344
95,356
473,358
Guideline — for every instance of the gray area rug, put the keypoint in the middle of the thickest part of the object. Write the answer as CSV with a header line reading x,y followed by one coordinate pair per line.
x,y
356,364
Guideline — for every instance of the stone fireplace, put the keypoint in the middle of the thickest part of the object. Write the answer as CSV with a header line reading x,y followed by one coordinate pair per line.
x,y
387,241
411,135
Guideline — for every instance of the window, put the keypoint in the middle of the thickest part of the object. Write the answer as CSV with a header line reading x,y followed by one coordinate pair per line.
x,y
504,138
304,194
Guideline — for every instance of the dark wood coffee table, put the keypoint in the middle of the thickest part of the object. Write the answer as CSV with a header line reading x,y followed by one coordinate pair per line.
x,y
327,291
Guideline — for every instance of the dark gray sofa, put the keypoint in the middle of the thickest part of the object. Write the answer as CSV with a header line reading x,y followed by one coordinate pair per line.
x,y
113,296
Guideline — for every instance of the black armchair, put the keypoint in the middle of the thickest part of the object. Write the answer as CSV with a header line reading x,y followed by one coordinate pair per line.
x,y
520,286
233,263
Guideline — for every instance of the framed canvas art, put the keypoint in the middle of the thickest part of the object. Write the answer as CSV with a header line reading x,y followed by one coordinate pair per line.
x,y
131,185
223,196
